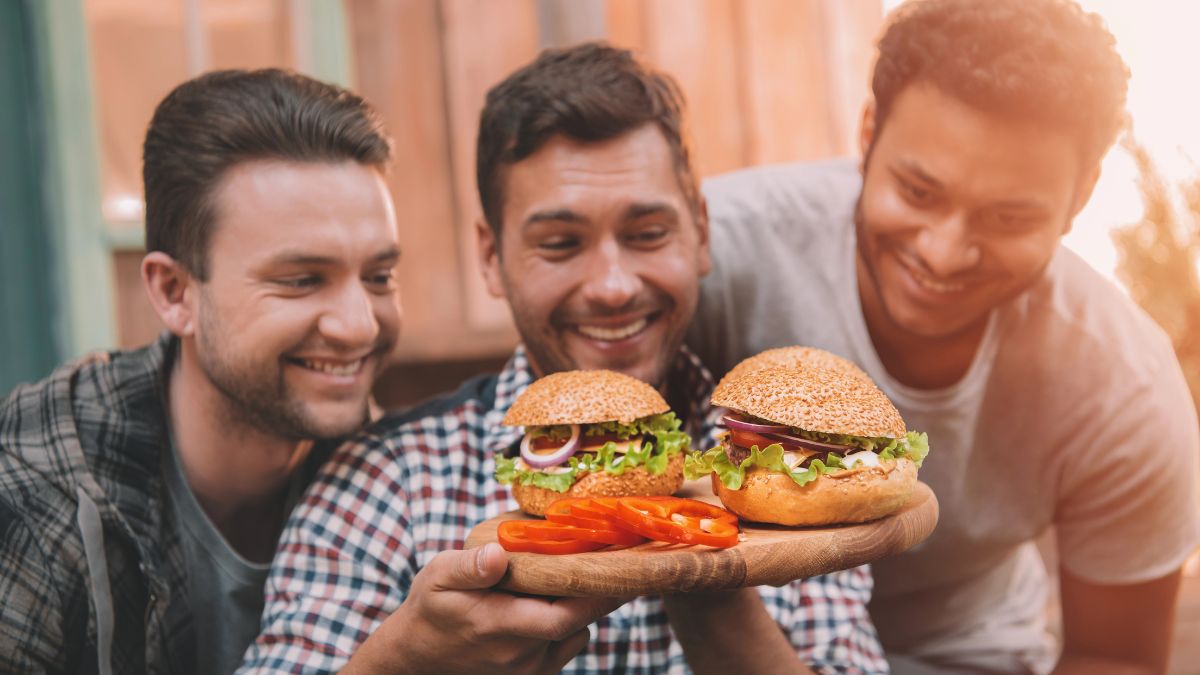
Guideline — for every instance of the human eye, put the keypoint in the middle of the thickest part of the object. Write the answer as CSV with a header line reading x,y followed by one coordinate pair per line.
x,y
383,280
299,282
649,235
557,245
913,193
1010,223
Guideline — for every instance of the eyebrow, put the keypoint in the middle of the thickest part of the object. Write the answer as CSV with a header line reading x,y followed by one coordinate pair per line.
x,y
634,212
912,167
639,210
1030,204
555,215
303,258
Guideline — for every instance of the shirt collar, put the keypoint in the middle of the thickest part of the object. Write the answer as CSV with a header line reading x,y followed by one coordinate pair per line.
x,y
689,380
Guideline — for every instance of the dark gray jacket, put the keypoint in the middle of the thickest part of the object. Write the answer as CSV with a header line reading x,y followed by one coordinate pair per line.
x,y
92,575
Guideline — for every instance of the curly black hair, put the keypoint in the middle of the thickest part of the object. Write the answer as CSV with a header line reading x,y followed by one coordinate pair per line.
x,y
1043,60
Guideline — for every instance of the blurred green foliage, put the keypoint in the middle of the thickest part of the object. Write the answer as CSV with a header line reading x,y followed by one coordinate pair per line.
x,y
1157,259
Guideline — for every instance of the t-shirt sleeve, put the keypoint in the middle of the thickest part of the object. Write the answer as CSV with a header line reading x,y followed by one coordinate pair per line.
x,y
345,562
744,208
772,231
1129,511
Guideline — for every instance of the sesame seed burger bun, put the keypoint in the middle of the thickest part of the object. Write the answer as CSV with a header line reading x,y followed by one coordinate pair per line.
x,y
813,390
796,357
636,481
831,400
584,397
853,496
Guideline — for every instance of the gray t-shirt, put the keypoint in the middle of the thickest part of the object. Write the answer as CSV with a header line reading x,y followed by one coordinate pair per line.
x,y
1074,414
225,589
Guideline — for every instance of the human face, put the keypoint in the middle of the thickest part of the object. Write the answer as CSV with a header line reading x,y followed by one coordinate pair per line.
x,y
301,307
961,210
600,256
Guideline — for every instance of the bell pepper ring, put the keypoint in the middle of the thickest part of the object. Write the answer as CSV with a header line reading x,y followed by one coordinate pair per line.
x,y
679,520
514,537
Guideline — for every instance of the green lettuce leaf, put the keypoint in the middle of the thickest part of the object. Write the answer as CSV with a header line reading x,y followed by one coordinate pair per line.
x,y
654,455
915,445
556,432
698,465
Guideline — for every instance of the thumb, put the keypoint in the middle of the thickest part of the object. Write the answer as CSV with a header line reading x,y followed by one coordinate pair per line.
x,y
469,570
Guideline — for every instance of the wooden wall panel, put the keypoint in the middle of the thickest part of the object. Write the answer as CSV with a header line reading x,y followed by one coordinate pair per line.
x,y
786,81
696,43
399,61
484,40
766,81
852,27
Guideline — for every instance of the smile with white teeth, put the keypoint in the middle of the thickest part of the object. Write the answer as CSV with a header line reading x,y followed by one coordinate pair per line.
x,y
334,368
930,284
613,334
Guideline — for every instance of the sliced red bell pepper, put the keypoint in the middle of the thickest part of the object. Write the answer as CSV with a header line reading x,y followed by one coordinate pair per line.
x,y
679,520
514,536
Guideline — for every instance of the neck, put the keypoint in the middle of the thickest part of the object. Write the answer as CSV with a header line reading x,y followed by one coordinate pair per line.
x,y
915,360
238,473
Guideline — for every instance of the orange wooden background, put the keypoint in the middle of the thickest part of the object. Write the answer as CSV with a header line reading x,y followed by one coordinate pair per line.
x,y
766,81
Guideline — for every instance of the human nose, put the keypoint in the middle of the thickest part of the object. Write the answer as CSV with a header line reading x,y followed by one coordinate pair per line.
x,y
350,319
611,280
947,246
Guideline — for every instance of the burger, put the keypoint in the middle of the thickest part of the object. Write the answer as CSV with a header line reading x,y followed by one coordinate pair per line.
x,y
797,357
592,433
808,440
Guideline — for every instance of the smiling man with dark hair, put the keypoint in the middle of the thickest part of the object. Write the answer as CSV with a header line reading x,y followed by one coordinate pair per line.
x,y
142,492
595,235
1051,402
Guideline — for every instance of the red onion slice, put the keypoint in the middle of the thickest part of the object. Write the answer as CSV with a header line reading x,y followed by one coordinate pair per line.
x,y
810,444
734,423
540,461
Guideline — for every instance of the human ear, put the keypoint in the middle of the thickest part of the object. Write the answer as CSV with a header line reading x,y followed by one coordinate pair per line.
x,y
866,132
169,287
702,226
488,251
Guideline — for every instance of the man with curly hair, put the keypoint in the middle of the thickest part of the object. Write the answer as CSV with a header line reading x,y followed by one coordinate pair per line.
x,y
1052,403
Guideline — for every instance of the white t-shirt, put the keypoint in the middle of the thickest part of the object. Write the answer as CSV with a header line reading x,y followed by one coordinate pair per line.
x,y
1073,414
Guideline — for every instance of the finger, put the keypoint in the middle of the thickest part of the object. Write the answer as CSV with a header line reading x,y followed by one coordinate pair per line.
x,y
564,650
552,619
468,570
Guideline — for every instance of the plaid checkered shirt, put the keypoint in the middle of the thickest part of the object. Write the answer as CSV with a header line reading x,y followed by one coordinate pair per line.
x,y
415,484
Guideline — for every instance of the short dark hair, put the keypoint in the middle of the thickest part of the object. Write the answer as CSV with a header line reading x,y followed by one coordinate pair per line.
x,y
1042,60
589,92
209,124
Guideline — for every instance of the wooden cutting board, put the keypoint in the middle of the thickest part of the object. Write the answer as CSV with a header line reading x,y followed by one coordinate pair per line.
x,y
768,554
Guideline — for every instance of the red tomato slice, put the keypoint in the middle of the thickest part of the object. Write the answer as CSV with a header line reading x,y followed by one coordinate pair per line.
x,y
679,520
514,536
749,438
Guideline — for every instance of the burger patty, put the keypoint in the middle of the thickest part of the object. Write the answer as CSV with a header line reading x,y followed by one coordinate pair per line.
x,y
736,453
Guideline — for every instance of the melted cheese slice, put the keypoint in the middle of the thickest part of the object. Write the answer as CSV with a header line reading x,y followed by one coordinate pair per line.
x,y
561,468
622,446
864,457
